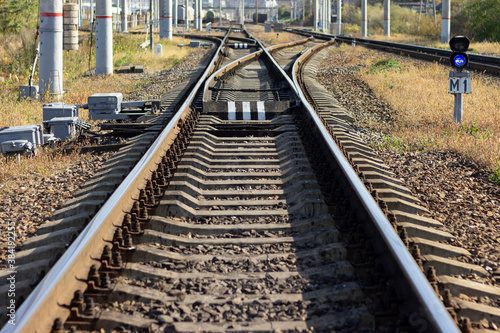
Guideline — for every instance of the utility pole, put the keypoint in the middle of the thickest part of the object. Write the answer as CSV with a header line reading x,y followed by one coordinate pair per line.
x,y
151,24
256,12
445,21
364,18
387,18
339,17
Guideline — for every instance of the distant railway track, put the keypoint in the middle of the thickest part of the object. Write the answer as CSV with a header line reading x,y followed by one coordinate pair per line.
x,y
478,62
248,205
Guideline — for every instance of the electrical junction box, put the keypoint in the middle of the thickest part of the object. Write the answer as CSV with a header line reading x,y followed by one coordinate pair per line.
x,y
59,109
194,43
106,106
63,128
21,138
28,92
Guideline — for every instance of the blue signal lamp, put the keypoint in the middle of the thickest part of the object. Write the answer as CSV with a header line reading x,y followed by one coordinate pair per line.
x,y
459,59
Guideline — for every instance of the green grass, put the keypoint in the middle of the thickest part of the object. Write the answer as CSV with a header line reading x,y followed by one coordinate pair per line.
x,y
388,142
384,65
495,177
399,145
127,58
474,131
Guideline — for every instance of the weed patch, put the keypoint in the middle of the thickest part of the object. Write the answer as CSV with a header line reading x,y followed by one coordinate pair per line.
x,y
495,177
384,65
393,143
474,131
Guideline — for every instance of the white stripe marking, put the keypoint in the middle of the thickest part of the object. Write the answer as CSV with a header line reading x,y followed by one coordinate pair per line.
x,y
261,112
231,110
246,111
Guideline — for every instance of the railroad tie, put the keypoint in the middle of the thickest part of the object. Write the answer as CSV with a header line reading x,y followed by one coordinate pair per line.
x,y
246,111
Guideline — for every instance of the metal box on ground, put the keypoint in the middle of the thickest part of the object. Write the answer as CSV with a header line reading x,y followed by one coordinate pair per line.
x,y
28,92
194,43
59,109
63,128
21,138
105,106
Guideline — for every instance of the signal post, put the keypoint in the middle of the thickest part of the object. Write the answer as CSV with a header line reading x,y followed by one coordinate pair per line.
x,y
460,81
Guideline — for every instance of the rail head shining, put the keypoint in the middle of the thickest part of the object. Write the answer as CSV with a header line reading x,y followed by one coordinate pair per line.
x,y
46,303
438,318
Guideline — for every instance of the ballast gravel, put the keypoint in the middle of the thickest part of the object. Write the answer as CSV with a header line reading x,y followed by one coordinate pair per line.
x,y
28,206
456,191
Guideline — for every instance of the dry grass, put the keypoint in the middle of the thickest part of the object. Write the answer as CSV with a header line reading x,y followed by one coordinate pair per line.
x,y
79,87
418,91
172,53
16,172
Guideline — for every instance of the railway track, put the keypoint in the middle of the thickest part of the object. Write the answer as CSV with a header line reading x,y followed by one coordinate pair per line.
x,y
478,62
243,215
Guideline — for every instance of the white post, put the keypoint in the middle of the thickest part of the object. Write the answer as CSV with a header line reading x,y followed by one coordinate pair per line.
x,y
168,19
51,48
200,15
387,18
328,14
364,18
242,12
124,15
316,15
195,17
445,21
320,15
325,13
162,19
339,17
175,13
91,12
80,12
104,38
156,14
186,17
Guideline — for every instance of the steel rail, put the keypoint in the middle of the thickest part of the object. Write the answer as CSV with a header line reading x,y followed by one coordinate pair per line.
x,y
267,52
476,61
46,302
241,61
437,316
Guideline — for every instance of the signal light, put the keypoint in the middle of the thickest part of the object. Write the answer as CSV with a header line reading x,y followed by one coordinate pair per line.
x,y
459,60
459,45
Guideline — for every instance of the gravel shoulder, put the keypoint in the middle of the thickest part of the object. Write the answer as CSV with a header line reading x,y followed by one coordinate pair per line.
x,y
455,190
31,200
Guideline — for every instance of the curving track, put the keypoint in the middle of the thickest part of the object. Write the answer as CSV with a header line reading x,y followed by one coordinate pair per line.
x,y
242,215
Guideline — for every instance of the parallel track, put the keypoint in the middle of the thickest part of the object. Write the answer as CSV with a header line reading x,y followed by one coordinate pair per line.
x,y
477,62
249,223
446,266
